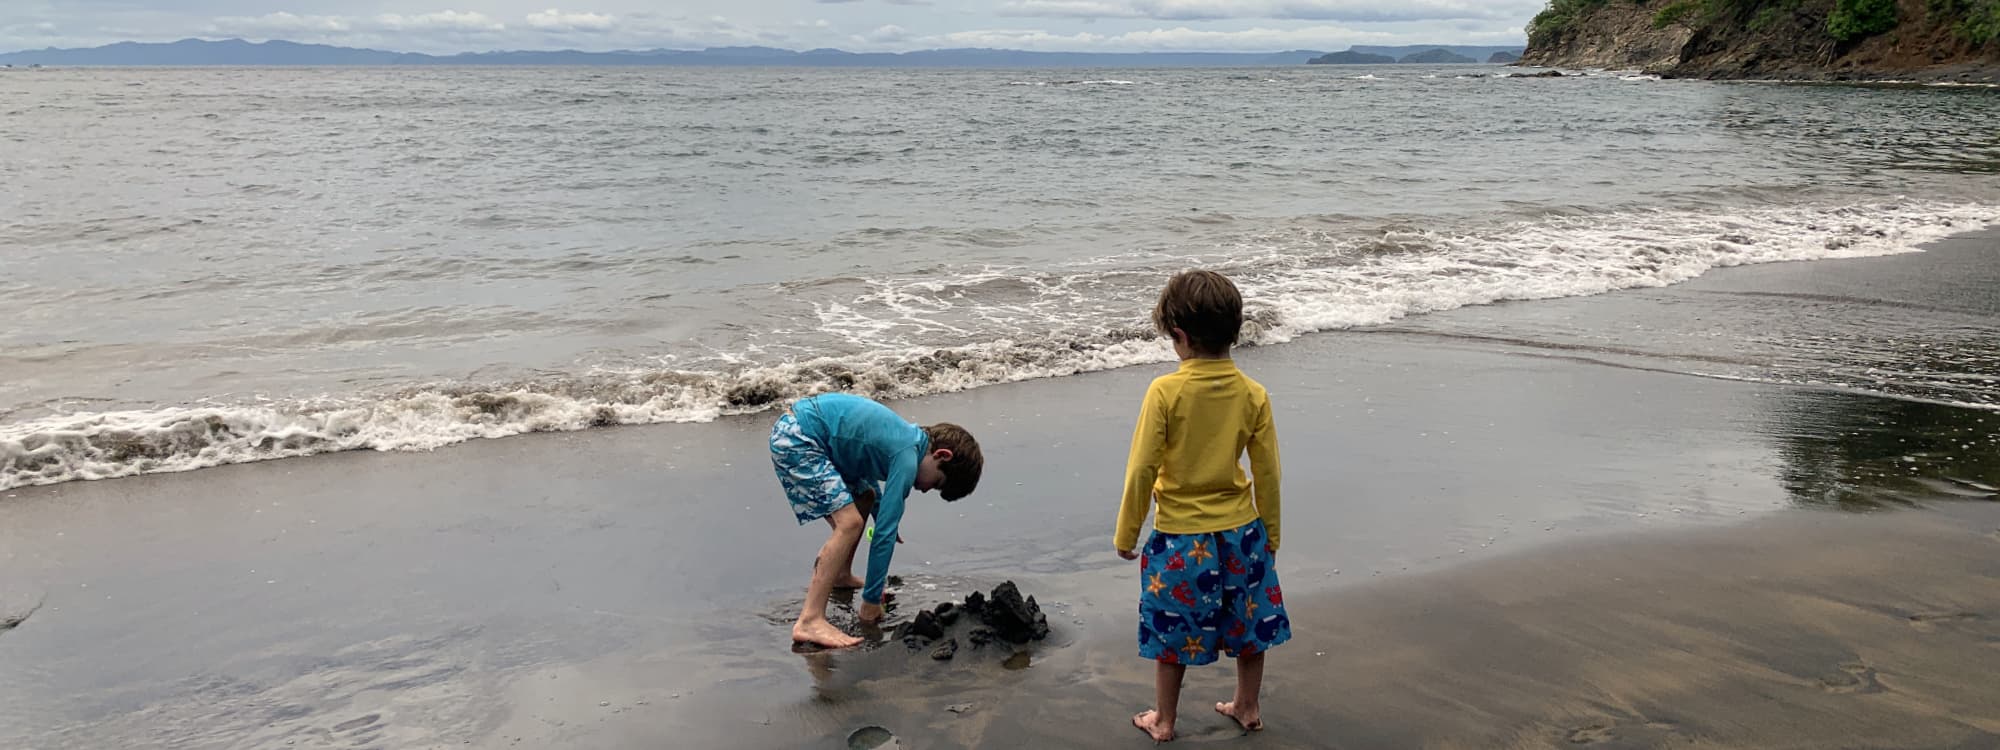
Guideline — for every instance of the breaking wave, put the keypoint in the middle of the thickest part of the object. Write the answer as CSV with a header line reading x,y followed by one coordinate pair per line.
x,y
1298,281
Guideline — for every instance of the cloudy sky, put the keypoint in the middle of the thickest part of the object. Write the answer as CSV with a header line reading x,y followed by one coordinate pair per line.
x,y
870,25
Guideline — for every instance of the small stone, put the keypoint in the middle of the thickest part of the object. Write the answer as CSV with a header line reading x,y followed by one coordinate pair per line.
x,y
926,625
980,637
602,704
959,708
945,650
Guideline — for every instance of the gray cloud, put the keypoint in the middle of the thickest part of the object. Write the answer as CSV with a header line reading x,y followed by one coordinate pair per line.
x,y
1363,11
863,25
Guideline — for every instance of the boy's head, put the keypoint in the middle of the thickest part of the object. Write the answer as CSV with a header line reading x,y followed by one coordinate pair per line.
x,y
1201,310
954,462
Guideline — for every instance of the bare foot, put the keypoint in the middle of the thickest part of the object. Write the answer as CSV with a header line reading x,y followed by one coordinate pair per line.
x,y
1149,722
822,633
1250,719
850,581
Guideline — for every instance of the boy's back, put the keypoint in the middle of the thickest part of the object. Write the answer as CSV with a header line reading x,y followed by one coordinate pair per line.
x,y
1208,575
865,439
1194,426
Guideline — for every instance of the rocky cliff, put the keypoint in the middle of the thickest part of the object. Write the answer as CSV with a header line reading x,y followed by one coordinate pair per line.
x,y
1928,40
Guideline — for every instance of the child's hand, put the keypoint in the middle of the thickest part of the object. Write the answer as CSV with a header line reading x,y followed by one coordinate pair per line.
x,y
871,612
1128,554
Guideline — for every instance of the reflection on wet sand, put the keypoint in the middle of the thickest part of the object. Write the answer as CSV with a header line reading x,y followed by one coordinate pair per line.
x,y
1863,453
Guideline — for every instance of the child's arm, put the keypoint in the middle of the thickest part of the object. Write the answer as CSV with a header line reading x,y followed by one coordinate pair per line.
x,y
888,515
1149,441
1264,471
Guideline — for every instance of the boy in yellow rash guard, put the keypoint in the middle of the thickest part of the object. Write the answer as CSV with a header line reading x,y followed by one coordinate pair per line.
x,y
1209,582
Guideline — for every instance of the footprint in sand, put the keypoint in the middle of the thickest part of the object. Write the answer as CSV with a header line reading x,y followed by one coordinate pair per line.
x,y
1926,622
1630,731
1591,735
872,738
357,723
1852,678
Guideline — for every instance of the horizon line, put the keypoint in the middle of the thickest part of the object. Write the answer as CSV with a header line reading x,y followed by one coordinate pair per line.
x,y
660,50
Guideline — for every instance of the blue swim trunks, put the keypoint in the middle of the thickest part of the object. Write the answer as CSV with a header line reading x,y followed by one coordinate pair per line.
x,y
811,482
1203,595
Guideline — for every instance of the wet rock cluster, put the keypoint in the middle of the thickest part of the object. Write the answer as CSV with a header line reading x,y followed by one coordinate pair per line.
x,y
1003,615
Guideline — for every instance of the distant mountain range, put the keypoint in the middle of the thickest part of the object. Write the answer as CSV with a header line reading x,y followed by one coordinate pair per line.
x,y
1427,56
1461,50
198,52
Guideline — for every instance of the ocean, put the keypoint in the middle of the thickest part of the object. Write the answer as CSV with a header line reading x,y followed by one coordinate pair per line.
x,y
203,267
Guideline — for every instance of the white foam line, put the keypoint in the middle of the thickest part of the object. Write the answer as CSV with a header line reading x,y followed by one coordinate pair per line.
x,y
1297,284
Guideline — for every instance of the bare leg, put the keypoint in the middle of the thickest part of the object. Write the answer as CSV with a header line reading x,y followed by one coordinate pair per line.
x,y
1159,722
1249,681
843,567
812,626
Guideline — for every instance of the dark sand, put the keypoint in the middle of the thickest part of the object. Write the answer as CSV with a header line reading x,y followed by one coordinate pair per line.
x,y
1491,544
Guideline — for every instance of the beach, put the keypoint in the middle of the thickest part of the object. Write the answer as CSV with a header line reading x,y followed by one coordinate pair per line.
x,y
1503,531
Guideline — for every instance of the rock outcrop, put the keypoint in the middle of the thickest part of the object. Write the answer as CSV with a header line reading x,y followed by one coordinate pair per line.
x,y
1003,616
1924,40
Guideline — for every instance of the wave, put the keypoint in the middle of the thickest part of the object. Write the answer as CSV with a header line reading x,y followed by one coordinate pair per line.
x,y
1087,317
1106,82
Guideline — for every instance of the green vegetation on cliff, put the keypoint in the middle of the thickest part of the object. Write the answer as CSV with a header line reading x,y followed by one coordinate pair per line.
x,y
1556,19
1979,20
1854,19
1975,21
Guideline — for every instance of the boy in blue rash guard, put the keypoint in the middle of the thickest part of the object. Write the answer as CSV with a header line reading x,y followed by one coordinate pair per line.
x,y
829,448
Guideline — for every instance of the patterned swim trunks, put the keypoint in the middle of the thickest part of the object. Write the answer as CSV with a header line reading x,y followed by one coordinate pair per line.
x,y
811,482
1203,595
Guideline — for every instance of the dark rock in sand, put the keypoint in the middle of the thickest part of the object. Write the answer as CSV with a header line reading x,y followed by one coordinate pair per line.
x,y
1543,74
1003,615
923,628
1014,619
980,637
12,621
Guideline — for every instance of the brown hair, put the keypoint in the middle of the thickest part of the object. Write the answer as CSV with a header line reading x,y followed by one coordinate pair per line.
x,y
1206,306
961,473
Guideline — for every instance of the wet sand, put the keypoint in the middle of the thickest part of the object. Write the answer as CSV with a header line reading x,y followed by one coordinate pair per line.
x,y
1493,545
1802,631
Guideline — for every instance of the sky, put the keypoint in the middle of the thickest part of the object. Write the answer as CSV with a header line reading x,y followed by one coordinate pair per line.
x,y
856,25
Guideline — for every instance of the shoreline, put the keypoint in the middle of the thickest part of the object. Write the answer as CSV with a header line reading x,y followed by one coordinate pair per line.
x,y
193,436
1980,74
